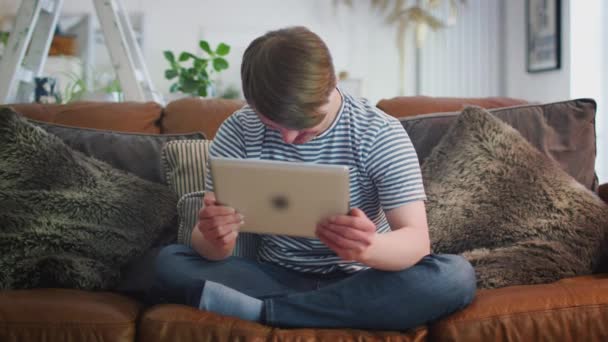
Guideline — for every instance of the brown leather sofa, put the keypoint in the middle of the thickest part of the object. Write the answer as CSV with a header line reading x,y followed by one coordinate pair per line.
x,y
574,309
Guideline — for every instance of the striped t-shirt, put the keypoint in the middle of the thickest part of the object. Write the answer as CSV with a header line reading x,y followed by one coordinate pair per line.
x,y
383,169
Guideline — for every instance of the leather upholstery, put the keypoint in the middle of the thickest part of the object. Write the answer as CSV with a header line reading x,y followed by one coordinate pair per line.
x,y
402,106
142,117
182,323
66,316
563,311
197,114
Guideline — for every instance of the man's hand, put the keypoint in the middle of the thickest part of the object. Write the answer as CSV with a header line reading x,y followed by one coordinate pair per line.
x,y
219,224
349,236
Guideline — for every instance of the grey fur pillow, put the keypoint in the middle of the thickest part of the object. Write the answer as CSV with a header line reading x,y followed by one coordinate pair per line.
x,y
68,220
512,212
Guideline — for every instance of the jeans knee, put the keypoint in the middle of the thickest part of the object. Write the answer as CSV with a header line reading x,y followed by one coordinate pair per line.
x,y
459,280
169,258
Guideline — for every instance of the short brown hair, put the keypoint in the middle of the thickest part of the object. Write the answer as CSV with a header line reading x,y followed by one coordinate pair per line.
x,y
287,75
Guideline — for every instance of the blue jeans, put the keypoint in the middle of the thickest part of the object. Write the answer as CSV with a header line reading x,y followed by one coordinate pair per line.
x,y
371,299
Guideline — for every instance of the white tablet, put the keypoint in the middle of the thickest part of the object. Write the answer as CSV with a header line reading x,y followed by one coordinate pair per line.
x,y
280,198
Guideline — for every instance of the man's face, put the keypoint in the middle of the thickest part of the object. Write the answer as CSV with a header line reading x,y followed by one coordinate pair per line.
x,y
291,136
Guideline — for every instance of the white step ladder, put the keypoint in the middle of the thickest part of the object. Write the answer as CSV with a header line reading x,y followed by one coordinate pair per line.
x,y
30,40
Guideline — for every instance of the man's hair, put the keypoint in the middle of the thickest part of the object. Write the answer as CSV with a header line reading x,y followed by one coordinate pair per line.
x,y
287,75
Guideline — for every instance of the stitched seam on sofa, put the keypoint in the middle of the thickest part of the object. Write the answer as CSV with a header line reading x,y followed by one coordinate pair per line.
x,y
534,312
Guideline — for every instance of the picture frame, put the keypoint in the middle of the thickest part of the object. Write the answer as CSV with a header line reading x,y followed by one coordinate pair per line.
x,y
543,35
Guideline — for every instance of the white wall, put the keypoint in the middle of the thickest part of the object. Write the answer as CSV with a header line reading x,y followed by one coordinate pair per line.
x,y
589,70
360,42
465,60
545,86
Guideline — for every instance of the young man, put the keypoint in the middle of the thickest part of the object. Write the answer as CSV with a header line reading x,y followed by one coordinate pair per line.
x,y
369,269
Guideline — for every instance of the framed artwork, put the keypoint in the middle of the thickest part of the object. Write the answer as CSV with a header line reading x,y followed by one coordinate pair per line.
x,y
543,38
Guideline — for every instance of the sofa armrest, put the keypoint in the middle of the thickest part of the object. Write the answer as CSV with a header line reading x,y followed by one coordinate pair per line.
x,y
603,192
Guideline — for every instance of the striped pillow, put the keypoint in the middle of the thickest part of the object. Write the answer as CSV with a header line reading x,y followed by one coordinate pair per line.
x,y
187,209
184,163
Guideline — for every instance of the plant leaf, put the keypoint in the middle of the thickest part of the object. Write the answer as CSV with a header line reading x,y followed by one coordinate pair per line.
x,y
174,88
205,46
220,64
222,49
200,64
190,86
184,56
202,91
170,74
169,56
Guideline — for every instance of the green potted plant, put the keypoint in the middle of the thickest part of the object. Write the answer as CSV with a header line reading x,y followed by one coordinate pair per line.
x,y
192,73
102,87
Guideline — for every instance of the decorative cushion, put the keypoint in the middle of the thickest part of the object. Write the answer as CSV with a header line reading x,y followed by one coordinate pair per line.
x,y
511,211
563,131
137,153
68,220
184,163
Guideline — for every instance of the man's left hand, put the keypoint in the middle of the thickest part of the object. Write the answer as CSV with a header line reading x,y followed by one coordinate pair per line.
x,y
349,236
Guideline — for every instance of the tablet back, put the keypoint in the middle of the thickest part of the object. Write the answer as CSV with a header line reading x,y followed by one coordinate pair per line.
x,y
281,197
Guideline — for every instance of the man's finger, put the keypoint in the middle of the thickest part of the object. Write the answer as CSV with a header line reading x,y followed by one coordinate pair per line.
x,y
209,199
350,233
212,211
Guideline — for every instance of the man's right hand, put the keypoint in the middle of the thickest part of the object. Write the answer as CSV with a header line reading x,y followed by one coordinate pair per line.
x,y
219,224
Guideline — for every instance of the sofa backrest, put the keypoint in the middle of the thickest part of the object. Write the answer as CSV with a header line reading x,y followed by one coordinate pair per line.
x,y
402,106
134,117
563,131
196,114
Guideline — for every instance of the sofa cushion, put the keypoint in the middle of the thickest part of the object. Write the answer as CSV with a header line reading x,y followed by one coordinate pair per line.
x,y
512,212
137,153
184,165
69,220
197,114
403,106
563,131
182,323
142,117
574,309
57,315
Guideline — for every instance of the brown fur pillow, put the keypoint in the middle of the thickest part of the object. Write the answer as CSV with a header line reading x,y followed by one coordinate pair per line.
x,y
511,211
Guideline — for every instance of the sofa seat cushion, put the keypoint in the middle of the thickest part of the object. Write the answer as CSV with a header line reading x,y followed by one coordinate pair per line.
x,y
66,315
182,323
573,309
142,117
